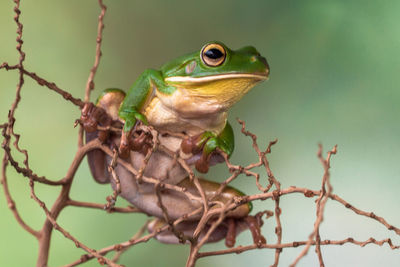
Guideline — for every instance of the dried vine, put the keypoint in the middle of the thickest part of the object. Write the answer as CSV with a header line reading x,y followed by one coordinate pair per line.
x,y
271,191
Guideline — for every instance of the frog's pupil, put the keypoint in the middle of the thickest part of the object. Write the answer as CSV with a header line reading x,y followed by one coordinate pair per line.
x,y
214,53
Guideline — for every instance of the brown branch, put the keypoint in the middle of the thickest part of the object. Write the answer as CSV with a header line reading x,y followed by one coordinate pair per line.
x,y
180,235
194,249
146,179
118,252
371,215
93,70
295,244
11,202
27,172
51,85
19,31
58,206
321,201
100,27
20,67
111,169
154,134
83,204
56,226
133,242
8,128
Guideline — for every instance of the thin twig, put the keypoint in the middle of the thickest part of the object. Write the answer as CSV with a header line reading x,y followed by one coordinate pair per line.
x,y
92,205
139,233
11,202
324,195
56,226
295,244
100,27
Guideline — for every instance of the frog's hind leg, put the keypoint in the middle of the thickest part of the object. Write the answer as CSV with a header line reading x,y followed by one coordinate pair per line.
x,y
97,162
211,188
236,220
108,103
185,231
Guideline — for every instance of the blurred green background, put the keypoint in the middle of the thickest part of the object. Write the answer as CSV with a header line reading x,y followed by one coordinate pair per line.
x,y
334,80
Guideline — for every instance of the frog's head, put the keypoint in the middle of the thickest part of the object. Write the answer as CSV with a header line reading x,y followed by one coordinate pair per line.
x,y
217,73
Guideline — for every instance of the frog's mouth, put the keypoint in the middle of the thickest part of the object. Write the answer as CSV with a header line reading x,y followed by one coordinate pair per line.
x,y
212,78
224,89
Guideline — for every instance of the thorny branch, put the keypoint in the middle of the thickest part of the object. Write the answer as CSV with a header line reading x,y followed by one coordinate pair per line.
x,y
211,208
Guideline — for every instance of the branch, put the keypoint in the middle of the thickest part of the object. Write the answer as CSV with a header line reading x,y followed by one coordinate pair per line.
x,y
295,244
11,202
100,27
83,204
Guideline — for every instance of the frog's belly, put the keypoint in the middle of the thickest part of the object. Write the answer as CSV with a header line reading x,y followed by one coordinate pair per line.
x,y
164,118
160,167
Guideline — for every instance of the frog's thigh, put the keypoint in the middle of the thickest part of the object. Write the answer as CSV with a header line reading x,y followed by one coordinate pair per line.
x,y
176,203
97,161
110,100
210,188
188,228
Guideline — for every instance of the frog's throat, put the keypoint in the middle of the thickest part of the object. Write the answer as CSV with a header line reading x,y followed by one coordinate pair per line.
x,y
211,78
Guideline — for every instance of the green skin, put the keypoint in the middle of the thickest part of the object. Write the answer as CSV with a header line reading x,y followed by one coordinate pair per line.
x,y
243,61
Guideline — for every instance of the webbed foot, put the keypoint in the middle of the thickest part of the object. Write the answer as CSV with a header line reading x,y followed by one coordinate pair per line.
x,y
131,118
253,223
92,116
206,145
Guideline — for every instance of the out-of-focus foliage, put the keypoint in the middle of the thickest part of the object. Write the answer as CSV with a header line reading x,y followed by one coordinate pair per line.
x,y
334,79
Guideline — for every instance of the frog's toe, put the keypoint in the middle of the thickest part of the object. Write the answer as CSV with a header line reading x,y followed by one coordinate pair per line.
x,y
254,225
203,164
93,116
124,148
208,159
193,144
88,117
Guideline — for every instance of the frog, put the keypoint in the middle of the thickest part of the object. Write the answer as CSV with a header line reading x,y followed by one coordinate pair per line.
x,y
187,101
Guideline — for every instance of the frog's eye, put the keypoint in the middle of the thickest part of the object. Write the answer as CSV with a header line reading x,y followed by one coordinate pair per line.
x,y
213,55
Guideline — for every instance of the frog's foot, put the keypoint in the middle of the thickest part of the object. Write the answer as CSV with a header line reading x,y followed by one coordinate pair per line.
x,y
132,118
204,148
254,224
140,142
91,117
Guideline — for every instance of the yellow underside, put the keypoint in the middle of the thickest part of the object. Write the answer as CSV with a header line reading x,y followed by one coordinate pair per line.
x,y
225,91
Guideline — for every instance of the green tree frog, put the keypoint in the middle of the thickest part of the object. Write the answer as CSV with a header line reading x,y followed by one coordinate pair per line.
x,y
189,96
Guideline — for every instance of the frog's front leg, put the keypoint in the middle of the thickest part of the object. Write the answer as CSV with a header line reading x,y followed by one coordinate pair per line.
x,y
135,101
103,114
207,144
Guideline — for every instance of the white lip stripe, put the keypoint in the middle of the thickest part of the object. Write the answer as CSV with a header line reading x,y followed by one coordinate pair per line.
x,y
215,77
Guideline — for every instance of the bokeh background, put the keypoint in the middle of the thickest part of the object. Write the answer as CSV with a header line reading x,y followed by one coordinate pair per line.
x,y
334,80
